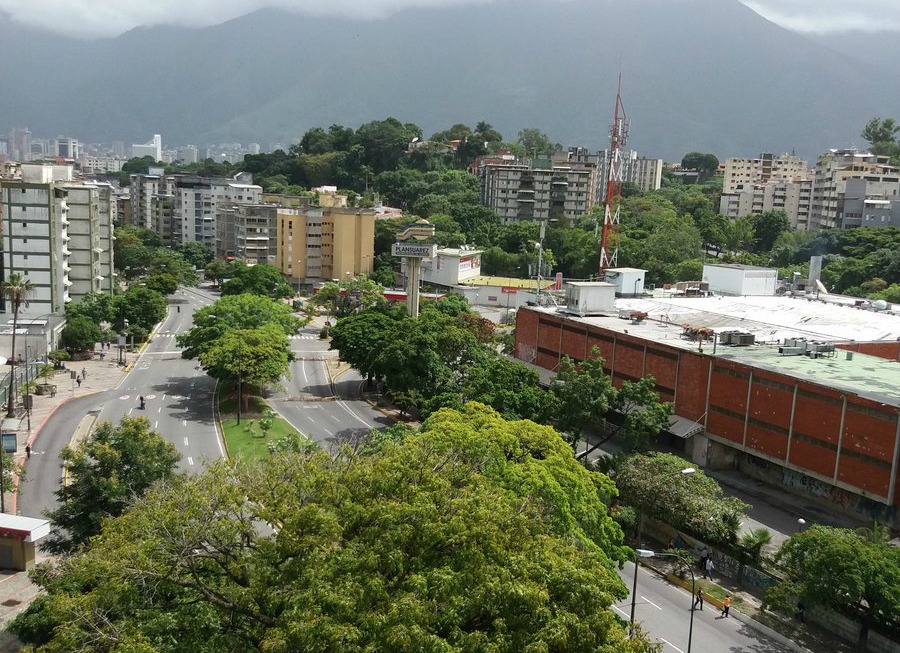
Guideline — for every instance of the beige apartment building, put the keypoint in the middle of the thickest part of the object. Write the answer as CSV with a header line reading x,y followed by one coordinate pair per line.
x,y
742,173
317,243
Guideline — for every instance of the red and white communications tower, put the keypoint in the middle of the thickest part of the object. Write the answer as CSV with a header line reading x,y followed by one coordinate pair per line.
x,y
615,175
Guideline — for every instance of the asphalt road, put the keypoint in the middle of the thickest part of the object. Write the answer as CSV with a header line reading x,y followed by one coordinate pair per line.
x,y
179,405
664,611
329,415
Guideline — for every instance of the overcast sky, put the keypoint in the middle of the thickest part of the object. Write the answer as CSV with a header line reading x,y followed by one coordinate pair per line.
x,y
93,18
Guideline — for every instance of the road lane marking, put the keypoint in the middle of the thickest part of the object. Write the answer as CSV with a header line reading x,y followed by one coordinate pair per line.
x,y
671,644
159,410
621,612
156,425
129,410
342,405
651,602
335,418
186,442
303,369
184,423
191,462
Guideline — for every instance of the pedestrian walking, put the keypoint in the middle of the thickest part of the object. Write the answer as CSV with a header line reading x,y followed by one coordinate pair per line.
x,y
28,451
78,381
698,600
708,569
704,556
83,373
726,606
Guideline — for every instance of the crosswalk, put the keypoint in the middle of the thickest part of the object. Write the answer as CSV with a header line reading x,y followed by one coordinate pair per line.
x,y
303,337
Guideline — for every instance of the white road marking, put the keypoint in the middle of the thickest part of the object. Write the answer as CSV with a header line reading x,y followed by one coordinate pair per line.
x,y
159,410
621,612
191,462
184,423
164,397
651,603
186,442
671,644
335,418
129,410
360,419
155,425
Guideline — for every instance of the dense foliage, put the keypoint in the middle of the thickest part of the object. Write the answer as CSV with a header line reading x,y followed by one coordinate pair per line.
x,y
844,570
114,466
475,535
655,486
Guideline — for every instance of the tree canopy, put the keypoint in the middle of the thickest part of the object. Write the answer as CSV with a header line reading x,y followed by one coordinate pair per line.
x,y
654,485
231,312
262,279
474,535
842,570
114,466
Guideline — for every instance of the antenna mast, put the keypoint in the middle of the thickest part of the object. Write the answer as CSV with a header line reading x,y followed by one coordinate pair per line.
x,y
609,237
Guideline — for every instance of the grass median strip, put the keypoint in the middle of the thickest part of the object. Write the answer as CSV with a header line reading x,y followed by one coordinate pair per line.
x,y
251,439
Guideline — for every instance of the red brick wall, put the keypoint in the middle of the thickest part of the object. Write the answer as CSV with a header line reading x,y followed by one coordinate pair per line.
x,y
869,436
693,377
889,350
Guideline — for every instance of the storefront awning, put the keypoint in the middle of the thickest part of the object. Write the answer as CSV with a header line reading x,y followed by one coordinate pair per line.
x,y
682,427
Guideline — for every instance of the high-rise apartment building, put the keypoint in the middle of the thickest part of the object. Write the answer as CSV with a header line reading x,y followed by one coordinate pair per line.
x,y
643,172
539,189
182,208
20,144
834,169
742,173
768,183
153,148
315,243
247,232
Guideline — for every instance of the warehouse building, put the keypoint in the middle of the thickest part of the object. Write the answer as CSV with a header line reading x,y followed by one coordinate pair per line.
x,y
788,389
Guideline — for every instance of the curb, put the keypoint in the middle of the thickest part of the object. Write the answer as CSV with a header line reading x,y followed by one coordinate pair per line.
x,y
220,430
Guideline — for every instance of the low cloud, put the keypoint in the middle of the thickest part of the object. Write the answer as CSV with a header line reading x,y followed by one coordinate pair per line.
x,y
105,18
90,19
827,16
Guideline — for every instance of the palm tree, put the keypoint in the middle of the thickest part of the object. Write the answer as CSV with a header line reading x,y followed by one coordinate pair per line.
x,y
16,289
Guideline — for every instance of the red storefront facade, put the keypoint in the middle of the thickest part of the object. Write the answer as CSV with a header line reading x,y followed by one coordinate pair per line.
x,y
830,442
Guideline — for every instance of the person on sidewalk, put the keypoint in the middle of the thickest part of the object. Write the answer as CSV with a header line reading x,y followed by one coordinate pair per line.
x,y
78,381
704,556
698,600
84,374
708,569
726,606
28,451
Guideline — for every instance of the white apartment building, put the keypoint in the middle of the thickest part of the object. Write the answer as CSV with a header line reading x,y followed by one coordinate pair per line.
x,y
182,208
66,148
794,198
153,148
91,164
35,235
643,172
90,238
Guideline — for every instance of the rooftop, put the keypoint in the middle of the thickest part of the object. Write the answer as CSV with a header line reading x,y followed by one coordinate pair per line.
x,y
507,282
771,320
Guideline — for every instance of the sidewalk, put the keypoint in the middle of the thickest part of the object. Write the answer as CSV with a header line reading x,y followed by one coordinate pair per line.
x,y
16,590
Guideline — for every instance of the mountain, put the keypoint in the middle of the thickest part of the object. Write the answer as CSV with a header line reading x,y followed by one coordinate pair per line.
x,y
707,75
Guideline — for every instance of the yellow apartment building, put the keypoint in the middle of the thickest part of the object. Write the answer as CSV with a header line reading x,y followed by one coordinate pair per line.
x,y
322,243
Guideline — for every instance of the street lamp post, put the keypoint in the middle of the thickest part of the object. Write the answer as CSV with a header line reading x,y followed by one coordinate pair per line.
x,y
687,471
646,553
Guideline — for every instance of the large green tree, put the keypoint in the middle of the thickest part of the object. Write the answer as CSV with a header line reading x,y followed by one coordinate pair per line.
x,y
263,279
235,312
475,535
105,473
80,334
141,306
580,394
842,570
258,357
654,485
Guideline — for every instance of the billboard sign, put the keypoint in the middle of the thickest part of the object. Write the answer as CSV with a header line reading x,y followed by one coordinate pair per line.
x,y
9,442
414,250
507,290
